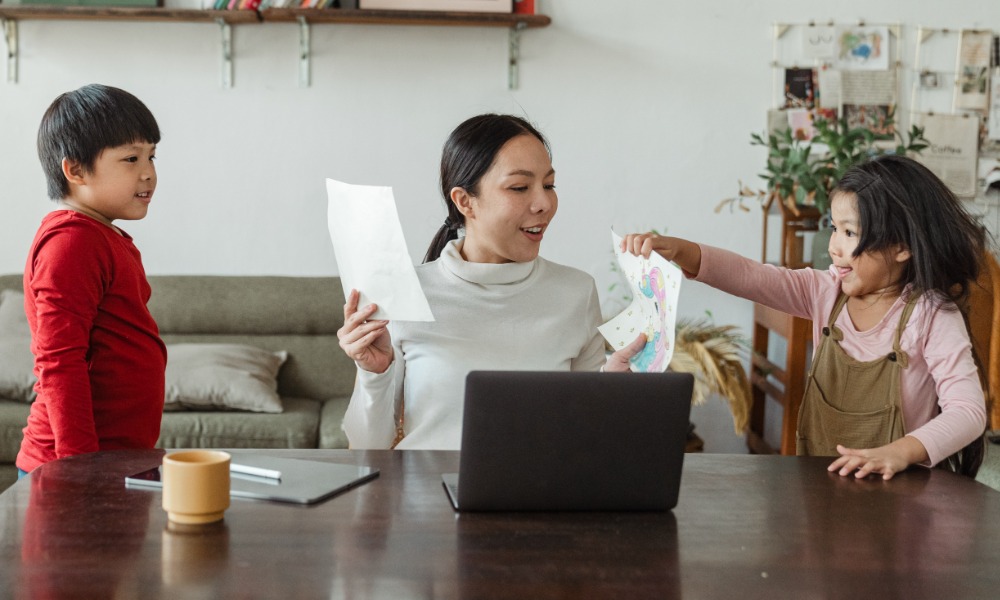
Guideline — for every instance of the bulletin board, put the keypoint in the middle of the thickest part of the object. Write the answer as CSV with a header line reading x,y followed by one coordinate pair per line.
x,y
857,71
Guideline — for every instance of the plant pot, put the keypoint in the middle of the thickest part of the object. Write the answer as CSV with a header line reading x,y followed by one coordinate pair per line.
x,y
821,245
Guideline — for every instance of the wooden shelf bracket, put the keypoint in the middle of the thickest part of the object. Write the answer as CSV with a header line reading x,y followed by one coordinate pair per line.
x,y
514,54
305,53
10,35
226,31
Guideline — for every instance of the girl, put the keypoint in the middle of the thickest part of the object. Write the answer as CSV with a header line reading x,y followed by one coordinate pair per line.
x,y
497,304
893,380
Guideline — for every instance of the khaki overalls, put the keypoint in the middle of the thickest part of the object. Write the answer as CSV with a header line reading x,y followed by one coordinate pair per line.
x,y
849,402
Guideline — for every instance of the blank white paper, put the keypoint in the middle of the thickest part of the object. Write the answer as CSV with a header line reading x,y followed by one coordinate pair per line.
x,y
371,253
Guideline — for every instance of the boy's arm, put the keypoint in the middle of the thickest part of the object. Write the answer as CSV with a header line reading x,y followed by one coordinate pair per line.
x,y
66,288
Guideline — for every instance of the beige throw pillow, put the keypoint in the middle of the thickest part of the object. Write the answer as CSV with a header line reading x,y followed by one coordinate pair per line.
x,y
223,377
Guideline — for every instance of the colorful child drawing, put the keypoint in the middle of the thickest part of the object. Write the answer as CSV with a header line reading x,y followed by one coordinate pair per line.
x,y
655,285
651,358
863,48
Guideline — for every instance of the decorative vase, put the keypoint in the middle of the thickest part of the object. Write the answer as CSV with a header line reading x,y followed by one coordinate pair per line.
x,y
821,244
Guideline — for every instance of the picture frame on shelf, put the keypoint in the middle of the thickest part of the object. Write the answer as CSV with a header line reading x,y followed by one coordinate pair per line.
x,y
485,6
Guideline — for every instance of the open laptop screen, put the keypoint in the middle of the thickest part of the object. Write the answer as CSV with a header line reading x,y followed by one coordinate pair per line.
x,y
538,440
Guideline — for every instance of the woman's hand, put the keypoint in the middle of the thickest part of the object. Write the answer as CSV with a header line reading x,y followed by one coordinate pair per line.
x,y
619,361
685,254
886,460
365,342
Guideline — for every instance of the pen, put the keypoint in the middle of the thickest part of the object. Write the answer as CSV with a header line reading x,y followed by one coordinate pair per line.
x,y
258,471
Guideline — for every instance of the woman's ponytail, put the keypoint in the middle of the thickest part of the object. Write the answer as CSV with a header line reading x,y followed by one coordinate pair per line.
x,y
446,233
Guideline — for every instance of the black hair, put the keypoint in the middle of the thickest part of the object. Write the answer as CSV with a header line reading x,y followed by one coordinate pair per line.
x,y
468,154
81,124
901,202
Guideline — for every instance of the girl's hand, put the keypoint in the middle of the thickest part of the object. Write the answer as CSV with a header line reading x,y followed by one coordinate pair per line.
x,y
886,460
687,255
365,342
618,362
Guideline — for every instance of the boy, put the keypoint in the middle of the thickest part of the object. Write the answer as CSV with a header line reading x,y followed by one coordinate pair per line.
x,y
99,358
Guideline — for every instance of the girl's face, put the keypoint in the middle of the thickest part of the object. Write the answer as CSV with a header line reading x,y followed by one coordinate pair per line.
x,y
872,273
516,202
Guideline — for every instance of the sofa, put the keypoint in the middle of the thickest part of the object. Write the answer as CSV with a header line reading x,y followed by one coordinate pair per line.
x,y
291,322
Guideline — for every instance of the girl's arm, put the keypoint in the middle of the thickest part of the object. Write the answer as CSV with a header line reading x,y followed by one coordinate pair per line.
x,y
793,291
959,415
886,460
683,253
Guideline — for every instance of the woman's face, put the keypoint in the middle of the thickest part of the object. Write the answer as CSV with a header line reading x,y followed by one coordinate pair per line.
x,y
516,202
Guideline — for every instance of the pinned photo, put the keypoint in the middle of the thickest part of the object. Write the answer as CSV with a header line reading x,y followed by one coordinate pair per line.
x,y
929,80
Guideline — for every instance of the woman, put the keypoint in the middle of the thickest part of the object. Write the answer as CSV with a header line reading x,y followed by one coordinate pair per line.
x,y
497,304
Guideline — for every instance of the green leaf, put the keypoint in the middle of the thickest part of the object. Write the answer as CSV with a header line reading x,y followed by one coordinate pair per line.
x,y
800,195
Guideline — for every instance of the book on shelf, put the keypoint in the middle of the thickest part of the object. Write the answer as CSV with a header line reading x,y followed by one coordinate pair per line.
x,y
488,6
91,3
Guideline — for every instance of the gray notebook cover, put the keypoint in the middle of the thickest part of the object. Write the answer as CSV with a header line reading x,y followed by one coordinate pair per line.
x,y
302,481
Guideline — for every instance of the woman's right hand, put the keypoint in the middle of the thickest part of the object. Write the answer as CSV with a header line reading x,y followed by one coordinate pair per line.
x,y
365,342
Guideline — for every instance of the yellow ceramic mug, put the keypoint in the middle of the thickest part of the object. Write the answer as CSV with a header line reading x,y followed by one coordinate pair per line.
x,y
196,486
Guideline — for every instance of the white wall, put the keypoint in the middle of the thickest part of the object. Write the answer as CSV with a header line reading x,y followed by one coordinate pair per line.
x,y
648,105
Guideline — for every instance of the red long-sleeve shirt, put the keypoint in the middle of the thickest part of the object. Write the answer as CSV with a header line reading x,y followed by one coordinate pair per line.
x,y
99,358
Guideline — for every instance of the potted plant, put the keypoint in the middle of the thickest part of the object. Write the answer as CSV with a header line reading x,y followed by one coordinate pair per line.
x,y
802,173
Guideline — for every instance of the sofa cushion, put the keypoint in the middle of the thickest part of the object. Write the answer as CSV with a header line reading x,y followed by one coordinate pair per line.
x,y
331,431
298,314
13,321
17,378
296,427
223,376
13,418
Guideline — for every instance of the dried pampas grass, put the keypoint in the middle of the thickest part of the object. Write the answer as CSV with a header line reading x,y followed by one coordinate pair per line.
x,y
712,354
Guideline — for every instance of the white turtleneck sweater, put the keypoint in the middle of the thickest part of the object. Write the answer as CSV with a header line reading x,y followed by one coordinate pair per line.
x,y
534,316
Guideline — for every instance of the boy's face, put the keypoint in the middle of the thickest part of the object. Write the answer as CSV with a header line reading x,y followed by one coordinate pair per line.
x,y
120,185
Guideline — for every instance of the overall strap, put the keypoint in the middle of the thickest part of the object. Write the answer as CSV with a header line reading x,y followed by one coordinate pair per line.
x,y
897,351
832,330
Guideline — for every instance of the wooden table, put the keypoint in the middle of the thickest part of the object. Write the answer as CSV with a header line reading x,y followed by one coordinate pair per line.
x,y
746,527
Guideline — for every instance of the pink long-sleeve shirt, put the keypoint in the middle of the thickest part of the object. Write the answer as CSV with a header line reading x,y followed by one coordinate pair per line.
x,y
943,402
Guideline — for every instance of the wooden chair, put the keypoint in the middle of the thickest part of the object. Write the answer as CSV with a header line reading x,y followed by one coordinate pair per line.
x,y
983,310
797,332
791,377
795,222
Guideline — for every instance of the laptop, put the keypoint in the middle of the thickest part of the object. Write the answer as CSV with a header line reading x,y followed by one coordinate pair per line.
x,y
571,441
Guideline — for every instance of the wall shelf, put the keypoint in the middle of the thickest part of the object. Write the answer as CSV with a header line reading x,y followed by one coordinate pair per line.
x,y
515,23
